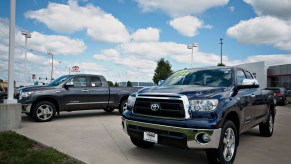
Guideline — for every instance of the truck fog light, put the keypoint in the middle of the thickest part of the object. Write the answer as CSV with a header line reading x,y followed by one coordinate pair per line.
x,y
206,137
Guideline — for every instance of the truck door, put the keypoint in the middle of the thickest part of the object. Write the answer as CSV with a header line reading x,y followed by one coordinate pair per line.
x,y
99,95
76,97
246,99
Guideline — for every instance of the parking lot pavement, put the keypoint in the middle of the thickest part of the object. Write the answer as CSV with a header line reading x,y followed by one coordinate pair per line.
x,y
97,137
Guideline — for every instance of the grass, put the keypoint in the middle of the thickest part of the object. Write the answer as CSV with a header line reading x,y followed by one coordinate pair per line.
x,y
15,148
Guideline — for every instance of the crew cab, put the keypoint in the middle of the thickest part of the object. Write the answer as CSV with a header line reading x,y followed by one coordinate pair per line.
x,y
70,93
201,108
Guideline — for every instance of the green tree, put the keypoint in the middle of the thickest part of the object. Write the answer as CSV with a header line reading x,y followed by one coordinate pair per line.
x,y
110,84
129,84
116,84
1,81
162,71
220,64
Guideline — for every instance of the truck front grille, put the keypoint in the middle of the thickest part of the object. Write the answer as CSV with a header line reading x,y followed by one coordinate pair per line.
x,y
169,107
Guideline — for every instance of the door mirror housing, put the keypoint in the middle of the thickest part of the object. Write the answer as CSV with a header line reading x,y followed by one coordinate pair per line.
x,y
69,84
249,83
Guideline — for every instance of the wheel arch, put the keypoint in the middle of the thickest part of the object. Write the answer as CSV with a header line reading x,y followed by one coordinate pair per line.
x,y
50,99
233,116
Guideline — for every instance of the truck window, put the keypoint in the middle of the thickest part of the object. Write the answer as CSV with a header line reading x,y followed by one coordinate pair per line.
x,y
240,76
79,81
95,82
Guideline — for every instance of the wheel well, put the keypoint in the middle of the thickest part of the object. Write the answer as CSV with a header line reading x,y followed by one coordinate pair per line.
x,y
52,100
235,119
122,99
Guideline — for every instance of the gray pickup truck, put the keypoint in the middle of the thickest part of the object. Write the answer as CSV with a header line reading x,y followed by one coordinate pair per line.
x,y
70,93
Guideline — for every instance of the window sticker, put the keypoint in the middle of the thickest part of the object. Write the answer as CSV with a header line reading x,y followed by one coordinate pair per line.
x,y
181,73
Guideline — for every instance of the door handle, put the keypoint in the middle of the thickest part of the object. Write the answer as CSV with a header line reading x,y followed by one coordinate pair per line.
x,y
85,90
252,95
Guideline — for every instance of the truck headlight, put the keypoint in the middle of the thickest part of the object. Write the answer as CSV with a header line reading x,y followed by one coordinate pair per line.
x,y
203,105
24,94
131,100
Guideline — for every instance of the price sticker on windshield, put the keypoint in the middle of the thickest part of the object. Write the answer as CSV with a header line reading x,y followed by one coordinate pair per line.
x,y
181,73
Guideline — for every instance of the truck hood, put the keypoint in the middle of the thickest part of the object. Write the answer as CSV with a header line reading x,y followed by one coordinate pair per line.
x,y
191,91
36,88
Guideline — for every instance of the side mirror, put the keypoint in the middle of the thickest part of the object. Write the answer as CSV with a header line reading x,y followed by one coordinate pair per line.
x,y
160,82
249,83
69,84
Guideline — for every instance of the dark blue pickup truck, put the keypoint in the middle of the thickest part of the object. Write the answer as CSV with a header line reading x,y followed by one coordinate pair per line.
x,y
201,108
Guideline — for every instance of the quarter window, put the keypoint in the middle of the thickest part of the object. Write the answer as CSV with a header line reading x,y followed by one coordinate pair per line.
x,y
249,75
95,82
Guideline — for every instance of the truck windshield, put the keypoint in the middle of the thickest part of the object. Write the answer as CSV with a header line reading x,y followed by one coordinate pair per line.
x,y
58,81
206,77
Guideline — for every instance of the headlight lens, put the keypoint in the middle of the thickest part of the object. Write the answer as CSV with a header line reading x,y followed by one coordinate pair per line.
x,y
203,105
24,94
131,100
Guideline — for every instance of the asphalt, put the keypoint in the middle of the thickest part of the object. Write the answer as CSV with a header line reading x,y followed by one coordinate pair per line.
x,y
97,137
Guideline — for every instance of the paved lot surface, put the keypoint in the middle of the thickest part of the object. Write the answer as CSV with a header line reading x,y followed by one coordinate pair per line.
x,y
96,137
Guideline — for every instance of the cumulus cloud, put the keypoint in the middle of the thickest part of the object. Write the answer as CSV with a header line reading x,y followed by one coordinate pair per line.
x,y
270,59
37,63
71,17
278,8
181,8
260,30
188,25
146,35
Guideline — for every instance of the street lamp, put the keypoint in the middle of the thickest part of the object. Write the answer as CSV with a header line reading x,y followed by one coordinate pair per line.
x,y
191,46
221,43
52,64
26,35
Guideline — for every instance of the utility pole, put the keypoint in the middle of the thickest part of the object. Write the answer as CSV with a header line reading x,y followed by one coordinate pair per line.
x,y
221,43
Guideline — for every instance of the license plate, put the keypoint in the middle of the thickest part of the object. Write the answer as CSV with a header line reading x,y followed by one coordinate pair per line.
x,y
150,137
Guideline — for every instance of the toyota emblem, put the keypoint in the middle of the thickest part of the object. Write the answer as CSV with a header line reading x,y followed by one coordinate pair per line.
x,y
155,107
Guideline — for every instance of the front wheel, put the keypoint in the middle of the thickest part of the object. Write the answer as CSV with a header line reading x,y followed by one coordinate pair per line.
x,y
141,143
227,145
123,106
44,111
267,128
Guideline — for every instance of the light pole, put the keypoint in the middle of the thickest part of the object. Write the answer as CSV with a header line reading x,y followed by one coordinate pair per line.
x,y
52,64
26,35
221,43
191,46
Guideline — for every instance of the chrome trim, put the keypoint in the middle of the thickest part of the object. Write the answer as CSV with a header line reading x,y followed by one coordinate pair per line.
x,y
84,103
191,133
168,96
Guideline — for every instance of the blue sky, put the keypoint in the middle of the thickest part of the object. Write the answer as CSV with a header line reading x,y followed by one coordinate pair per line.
x,y
123,39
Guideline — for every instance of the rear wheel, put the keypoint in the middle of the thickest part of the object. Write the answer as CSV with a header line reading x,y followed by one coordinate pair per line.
x,y
267,128
141,143
44,111
108,109
123,106
227,146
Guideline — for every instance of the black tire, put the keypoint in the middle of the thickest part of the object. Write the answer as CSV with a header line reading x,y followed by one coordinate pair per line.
x,y
108,109
44,111
228,143
284,102
141,143
267,128
123,106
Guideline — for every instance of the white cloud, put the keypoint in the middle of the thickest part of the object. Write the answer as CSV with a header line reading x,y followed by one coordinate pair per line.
x,y
277,8
108,55
188,25
261,30
270,59
69,18
57,44
232,8
176,8
146,35
92,68
39,65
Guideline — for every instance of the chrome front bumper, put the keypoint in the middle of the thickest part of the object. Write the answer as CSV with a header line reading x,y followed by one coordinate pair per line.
x,y
192,141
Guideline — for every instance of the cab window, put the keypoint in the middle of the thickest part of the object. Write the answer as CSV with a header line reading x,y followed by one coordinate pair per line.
x,y
95,82
78,81
240,76
249,75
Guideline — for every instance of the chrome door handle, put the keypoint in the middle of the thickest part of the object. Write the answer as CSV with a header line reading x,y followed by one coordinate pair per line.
x,y
85,90
253,95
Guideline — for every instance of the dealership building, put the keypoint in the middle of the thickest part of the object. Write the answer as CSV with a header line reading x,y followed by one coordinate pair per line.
x,y
270,76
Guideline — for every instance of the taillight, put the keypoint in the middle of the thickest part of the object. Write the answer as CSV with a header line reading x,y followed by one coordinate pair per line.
x,y
278,94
